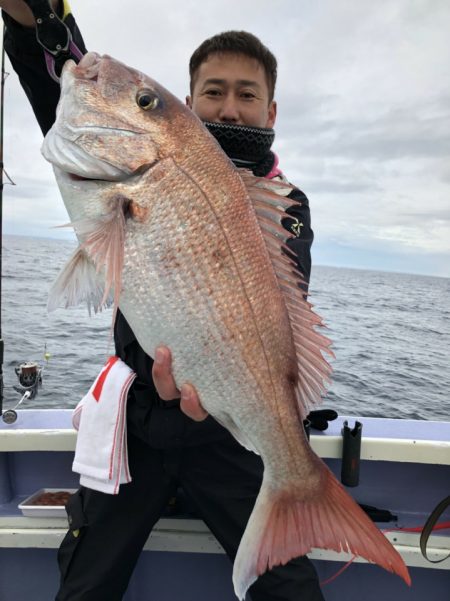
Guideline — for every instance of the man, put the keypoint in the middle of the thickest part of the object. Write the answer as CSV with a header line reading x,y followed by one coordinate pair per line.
x,y
232,86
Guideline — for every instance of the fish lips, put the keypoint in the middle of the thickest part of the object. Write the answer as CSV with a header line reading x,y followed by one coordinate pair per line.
x,y
71,158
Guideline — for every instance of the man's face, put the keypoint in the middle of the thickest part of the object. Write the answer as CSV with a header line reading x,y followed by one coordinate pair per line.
x,y
232,88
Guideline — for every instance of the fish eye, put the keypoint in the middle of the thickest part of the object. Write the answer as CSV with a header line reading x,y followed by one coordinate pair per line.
x,y
147,100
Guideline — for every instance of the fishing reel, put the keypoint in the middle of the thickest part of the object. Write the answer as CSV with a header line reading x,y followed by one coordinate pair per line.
x,y
29,375
30,378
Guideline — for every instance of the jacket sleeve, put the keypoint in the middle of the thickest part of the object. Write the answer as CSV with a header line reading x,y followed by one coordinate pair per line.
x,y
300,227
28,61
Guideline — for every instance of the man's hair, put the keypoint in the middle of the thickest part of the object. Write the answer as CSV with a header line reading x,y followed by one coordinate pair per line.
x,y
235,42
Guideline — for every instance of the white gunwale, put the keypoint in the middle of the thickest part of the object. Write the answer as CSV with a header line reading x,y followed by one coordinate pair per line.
x,y
326,446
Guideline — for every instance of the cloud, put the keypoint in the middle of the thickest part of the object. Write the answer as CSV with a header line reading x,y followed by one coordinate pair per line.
x,y
363,124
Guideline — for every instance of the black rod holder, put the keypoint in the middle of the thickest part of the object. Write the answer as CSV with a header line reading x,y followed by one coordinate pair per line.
x,y
351,454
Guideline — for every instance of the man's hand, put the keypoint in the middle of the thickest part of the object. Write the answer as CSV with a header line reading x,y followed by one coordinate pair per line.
x,y
167,390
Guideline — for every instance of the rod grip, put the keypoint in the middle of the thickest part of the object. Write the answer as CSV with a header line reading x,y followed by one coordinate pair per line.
x,y
1,370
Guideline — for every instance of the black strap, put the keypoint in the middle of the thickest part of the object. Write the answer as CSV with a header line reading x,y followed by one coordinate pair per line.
x,y
428,528
54,36
51,33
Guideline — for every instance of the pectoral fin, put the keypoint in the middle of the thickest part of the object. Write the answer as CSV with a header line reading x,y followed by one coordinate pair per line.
x,y
78,282
104,242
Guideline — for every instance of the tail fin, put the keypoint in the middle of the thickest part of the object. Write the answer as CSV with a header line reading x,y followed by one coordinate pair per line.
x,y
281,527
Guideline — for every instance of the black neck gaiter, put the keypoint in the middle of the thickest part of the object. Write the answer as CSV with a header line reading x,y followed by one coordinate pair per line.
x,y
247,147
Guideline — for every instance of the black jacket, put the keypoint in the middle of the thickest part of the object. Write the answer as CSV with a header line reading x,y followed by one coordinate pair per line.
x,y
160,423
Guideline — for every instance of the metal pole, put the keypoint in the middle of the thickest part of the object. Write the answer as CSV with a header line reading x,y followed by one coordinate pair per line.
x,y
2,87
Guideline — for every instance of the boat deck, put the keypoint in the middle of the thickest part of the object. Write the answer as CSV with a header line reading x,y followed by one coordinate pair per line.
x,y
405,468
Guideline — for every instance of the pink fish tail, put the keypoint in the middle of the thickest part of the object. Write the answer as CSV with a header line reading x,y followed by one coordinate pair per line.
x,y
283,527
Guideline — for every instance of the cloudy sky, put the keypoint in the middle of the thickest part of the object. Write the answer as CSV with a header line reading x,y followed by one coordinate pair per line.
x,y
363,115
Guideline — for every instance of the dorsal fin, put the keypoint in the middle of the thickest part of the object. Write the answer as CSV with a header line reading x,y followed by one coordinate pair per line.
x,y
269,200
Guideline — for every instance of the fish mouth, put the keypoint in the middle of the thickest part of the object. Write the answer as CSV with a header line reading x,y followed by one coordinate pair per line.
x,y
67,156
126,175
88,183
78,178
81,178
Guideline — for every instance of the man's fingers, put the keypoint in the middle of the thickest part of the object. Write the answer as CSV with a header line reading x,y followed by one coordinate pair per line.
x,y
190,403
167,390
162,375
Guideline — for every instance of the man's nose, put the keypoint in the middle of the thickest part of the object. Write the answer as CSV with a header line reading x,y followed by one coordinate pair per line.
x,y
229,111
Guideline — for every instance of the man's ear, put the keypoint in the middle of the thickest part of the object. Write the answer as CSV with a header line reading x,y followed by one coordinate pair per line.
x,y
272,116
189,102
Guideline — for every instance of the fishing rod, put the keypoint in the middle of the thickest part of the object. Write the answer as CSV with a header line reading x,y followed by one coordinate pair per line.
x,y
55,38
2,88
29,374
2,174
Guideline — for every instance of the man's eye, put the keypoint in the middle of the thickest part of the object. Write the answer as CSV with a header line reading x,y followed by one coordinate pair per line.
x,y
248,95
212,92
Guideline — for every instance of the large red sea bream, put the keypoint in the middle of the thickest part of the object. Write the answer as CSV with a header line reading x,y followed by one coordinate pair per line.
x,y
191,249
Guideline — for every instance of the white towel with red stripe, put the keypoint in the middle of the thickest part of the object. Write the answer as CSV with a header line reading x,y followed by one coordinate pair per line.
x,y
101,456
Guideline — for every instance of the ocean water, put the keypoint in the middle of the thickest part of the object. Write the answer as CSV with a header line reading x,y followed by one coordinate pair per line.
x,y
390,333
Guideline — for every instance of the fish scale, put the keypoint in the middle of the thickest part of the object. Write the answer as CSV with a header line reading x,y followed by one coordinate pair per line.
x,y
187,295
193,250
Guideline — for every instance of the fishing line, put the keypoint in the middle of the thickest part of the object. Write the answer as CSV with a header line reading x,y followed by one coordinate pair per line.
x,y
2,87
338,573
